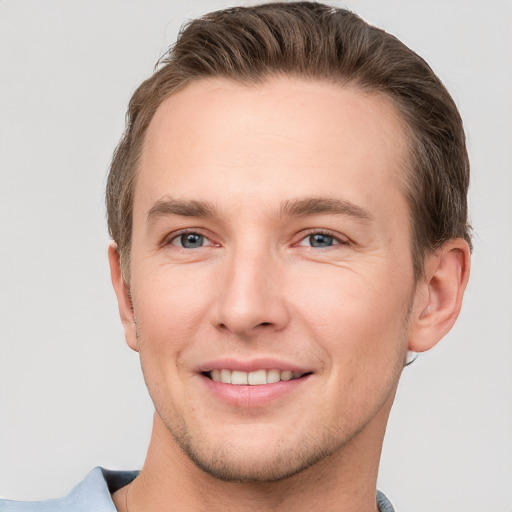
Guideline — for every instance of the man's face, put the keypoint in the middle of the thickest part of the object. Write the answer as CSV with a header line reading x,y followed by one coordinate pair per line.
x,y
271,242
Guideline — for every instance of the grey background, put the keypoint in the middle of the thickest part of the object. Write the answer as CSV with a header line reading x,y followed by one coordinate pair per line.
x,y
71,393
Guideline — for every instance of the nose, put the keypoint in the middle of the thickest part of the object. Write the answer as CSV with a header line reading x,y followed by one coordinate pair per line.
x,y
251,296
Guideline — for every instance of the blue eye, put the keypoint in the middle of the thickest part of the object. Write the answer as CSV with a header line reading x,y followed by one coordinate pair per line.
x,y
189,240
321,240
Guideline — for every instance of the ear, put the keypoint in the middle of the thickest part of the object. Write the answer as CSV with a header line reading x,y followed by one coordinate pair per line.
x,y
124,299
438,297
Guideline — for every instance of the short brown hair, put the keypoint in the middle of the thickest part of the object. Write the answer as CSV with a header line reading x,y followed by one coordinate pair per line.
x,y
313,41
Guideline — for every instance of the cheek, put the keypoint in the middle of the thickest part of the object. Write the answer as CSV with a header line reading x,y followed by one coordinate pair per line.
x,y
167,310
170,301
354,315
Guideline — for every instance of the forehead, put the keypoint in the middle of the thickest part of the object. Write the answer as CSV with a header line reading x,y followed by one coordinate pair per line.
x,y
285,135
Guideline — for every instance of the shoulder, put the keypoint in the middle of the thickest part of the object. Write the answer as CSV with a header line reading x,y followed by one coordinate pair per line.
x,y
91,495
383,504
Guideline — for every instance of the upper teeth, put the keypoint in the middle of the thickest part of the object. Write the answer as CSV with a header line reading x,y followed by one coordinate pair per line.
x,y
255,378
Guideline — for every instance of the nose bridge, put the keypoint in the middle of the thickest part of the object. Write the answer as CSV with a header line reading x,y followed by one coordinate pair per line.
x,y
251,293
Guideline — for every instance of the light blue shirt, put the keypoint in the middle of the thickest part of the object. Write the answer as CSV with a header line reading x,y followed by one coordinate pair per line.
x,y
93,494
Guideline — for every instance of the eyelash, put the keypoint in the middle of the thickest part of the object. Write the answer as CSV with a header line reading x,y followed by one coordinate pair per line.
x,y
175,236
325,232
336,238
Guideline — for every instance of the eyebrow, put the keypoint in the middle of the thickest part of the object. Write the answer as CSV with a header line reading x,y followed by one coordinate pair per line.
x,y
168,206
291,208
322,206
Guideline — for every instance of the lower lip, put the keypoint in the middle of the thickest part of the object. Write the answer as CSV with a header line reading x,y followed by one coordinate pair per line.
x,y
252,396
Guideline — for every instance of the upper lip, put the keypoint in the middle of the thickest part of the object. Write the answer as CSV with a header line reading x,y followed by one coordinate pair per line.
x,y
251,365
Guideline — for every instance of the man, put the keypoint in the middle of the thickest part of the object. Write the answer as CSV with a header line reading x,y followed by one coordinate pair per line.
x,y
289,219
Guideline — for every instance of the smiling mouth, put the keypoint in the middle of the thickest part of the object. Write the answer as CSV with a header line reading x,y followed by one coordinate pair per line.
x,y
255,378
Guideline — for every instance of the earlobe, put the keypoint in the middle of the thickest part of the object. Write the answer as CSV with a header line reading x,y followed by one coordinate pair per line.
x,y
439,294
124,299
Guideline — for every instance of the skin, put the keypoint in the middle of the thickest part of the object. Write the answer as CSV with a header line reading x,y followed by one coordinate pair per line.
x,y
259,286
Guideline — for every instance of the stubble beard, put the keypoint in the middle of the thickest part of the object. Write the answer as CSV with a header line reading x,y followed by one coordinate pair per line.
x,y
275,463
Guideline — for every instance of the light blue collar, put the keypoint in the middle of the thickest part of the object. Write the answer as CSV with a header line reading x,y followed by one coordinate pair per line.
x,y
92,494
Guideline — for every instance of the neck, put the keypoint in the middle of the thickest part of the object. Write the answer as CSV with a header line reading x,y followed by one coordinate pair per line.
x,y
345,480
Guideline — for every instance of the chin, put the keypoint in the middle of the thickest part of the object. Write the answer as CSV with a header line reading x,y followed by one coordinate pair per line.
x,y
232,467
260,462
